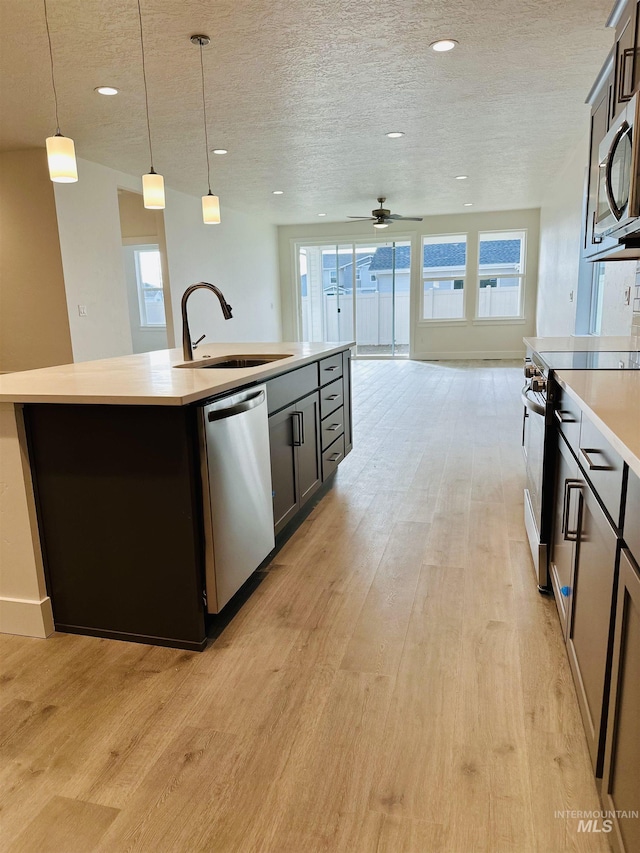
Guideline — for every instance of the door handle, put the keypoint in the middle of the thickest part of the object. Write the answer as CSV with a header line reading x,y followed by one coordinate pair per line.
x,y
567,534
220,413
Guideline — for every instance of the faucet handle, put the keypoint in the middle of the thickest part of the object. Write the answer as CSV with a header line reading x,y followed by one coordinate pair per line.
x,y
195,344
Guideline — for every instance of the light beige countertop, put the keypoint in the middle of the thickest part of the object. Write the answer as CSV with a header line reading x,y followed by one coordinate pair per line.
x,y
152,378
583,343
611,400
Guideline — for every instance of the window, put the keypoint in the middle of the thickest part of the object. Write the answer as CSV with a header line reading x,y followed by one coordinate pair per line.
x,y
149,285
443,270
373,276
500,273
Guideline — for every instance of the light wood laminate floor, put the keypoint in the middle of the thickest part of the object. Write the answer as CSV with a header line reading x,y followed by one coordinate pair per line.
x,y
396,683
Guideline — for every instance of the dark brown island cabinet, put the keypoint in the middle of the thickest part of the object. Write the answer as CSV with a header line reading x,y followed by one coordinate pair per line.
x,y
596,582
119,500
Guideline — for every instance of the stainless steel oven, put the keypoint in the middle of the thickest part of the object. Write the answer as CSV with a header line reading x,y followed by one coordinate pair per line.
x,y
618,197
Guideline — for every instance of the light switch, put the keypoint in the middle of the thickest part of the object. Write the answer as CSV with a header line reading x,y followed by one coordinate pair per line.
x,y
82,310
571,296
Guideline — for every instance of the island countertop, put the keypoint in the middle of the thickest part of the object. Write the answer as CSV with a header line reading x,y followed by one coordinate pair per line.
x,y
152,378
583,343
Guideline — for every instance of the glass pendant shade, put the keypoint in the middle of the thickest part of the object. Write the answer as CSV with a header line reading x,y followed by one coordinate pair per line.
x,y
61,156
211,209
153,191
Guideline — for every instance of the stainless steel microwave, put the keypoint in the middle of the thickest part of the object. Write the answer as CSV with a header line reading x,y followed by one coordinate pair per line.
x,y
618,200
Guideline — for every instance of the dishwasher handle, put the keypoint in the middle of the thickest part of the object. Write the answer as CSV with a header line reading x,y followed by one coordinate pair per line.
x,y
238,408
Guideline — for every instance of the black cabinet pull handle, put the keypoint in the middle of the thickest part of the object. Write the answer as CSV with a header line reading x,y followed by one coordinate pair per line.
x,y
334,367
569,535
561,417
332,397
592,465
334,457
333,427
297,429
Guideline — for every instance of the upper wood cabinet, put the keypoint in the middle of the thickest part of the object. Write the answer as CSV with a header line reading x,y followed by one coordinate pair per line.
x,y
625,15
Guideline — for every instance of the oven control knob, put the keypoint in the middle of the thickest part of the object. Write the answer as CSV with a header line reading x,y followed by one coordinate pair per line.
x,y
530,370
538,384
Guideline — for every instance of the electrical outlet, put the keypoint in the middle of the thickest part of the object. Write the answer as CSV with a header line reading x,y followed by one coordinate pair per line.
x,y
82,310
571,296
627,296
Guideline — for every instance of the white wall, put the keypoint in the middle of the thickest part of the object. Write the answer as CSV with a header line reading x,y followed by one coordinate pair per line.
x,y
560,234
240,256
90,243
468,339
34,329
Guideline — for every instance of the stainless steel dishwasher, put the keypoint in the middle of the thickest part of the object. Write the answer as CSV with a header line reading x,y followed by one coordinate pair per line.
x,y
238,505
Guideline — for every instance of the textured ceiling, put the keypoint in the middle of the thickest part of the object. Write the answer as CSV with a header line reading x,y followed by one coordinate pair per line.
x,y
302,93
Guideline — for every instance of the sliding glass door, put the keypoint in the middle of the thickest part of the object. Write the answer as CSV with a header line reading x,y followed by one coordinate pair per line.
x,y
356,291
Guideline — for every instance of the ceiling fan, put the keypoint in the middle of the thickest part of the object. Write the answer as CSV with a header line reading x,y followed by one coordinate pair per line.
x,y
381,217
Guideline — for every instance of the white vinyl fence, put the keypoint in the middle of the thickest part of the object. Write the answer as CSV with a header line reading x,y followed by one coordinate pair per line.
x,y
374,318
493,302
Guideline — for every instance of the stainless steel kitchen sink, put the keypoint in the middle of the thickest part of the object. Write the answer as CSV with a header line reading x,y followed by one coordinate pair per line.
x,y
233,362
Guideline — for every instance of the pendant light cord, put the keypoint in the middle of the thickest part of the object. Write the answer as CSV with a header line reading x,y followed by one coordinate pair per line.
x,y
53,79
146,94
204,112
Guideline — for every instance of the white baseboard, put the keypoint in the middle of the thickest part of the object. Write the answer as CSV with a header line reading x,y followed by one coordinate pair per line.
x,y
26,618
469,356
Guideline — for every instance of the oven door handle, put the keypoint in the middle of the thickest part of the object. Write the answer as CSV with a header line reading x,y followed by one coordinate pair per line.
x,y
532,405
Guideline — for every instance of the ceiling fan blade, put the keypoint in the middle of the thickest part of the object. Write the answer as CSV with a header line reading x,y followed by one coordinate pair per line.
x,y
361,217
406,218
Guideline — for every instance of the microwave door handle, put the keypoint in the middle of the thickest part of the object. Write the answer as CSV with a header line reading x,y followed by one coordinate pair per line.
x,y
622,130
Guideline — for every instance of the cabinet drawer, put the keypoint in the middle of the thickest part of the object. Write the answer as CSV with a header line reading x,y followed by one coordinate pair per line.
x,y
603,467
332,427
331,398
330,368
291,386
568,417
332,457
632,516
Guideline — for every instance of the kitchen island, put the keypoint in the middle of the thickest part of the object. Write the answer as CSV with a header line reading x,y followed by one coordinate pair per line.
x,y
113,448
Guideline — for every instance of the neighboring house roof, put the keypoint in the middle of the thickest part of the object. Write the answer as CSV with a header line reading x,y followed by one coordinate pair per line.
x,y
344,259
492,252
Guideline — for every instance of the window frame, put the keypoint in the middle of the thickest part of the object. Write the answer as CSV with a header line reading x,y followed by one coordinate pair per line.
x,y
444,321
493,272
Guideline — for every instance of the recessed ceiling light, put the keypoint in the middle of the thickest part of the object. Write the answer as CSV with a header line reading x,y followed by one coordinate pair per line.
x,y
106,90
395,134
220,151
322,214
461,177
278,192
442,45
468,204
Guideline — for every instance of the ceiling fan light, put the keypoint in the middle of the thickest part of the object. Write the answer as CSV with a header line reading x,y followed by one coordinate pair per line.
x,y
61,157
153,191
211,209
380,224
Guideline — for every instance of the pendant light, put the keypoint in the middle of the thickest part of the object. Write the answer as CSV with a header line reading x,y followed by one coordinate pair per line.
x,y
152,183
210,202
61,152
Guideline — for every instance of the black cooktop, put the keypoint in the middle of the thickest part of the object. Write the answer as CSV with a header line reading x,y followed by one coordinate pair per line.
x,y
591,360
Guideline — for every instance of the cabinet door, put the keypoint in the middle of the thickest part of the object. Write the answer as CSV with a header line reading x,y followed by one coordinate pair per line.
x,y
599,127
625,59
283,468
308,449
620,789
589,621
565,531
